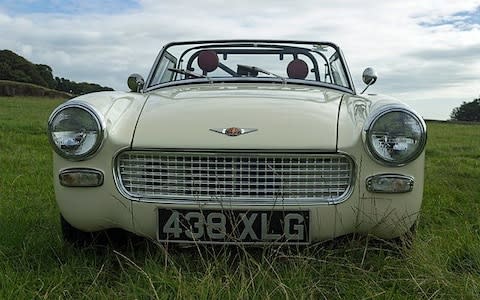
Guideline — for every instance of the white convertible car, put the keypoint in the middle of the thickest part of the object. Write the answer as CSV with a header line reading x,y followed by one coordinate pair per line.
x,y
239,142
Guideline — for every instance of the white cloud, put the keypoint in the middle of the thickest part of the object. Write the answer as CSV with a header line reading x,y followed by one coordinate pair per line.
x,y
417,63
26,50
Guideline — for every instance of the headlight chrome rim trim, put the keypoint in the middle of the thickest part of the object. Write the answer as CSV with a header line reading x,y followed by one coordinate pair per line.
x,y
380,113
96,116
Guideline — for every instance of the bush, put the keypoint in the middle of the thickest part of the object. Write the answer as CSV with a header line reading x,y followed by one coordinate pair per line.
x,y
12,88
468,111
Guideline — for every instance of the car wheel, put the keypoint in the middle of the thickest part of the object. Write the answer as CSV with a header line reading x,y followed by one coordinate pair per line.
x,y
75,236
110,237
405,241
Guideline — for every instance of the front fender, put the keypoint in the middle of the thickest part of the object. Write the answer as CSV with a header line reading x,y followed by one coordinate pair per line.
x,y
385,215
96,208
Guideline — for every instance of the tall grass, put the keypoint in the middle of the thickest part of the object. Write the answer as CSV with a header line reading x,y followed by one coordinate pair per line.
x,y
444,261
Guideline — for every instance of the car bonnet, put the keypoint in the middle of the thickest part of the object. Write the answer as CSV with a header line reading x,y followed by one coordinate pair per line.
x,y
268,116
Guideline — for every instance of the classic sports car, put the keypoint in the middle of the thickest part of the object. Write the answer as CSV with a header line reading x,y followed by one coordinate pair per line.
x,y
239,141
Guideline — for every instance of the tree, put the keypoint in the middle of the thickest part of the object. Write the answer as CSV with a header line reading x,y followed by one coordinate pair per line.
x,y
5,71
46,73
468,111
14,67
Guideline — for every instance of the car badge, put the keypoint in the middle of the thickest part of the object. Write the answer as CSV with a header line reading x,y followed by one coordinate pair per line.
x,y
233,131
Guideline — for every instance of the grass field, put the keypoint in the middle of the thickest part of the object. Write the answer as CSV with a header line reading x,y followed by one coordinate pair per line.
x,y
444,262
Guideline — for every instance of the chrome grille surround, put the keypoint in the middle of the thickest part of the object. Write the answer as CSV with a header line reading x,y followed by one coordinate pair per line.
x,y
244,178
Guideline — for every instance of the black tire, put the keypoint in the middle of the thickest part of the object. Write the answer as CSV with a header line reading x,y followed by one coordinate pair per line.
x,y
75,236
111,237
405,241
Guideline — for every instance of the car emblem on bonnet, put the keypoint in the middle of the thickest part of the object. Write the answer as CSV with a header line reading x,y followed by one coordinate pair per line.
x,y
233,131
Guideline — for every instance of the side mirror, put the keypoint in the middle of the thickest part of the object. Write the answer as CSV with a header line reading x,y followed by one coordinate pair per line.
x,y
369,77
135,82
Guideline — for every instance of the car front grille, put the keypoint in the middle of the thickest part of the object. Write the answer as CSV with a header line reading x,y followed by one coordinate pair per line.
x,y
265,178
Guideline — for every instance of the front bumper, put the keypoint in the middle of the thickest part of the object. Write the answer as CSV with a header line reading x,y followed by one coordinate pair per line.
x,y
385,215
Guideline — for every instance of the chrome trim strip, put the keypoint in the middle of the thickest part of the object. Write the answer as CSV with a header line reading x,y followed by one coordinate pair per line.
x,y
182,200
98,119
249,80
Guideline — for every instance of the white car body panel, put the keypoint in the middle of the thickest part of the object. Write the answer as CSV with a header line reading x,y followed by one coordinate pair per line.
x,y
310,112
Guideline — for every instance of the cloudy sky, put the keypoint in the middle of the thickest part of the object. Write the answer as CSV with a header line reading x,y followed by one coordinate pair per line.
x,y
426,53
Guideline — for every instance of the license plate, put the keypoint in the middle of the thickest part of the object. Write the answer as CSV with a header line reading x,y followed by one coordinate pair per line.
x,y
233,226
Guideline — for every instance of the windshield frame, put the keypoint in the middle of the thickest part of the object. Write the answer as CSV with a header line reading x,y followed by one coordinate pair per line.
x,y
253,43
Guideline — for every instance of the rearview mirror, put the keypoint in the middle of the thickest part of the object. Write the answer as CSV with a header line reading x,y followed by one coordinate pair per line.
x,y
135,82
369,77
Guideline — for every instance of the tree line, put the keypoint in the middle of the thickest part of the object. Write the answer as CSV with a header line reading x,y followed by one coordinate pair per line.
x,y
14,67
468,111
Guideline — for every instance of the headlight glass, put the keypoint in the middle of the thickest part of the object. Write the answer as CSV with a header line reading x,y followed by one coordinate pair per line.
x,y
76,131
396,136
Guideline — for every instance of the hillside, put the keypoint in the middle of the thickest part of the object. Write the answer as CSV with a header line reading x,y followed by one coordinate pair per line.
x,y
13,88
16,68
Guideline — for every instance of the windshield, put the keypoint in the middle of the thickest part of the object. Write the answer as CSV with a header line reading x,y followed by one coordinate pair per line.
x,y
298,62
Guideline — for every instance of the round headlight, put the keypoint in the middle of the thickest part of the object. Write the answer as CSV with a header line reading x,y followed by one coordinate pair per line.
x,y
395,136
75,130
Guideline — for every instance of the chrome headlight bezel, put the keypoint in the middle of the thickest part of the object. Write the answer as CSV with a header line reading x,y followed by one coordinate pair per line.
x,y
100,124
371,121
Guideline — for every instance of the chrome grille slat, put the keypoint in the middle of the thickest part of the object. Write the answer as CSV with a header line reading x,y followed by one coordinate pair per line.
x,y
236,177
243,173
181,163
185,182
172,170
329,190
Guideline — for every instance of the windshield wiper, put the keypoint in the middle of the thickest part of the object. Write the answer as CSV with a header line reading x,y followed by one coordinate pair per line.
x,y
189,73
257,69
